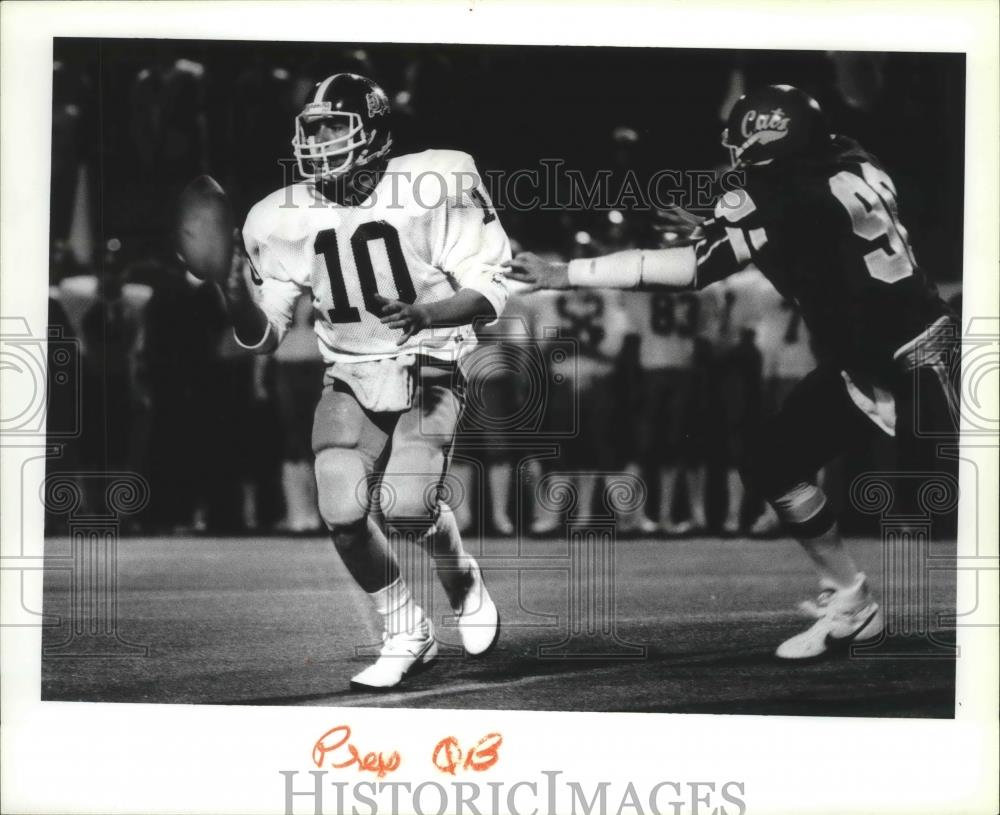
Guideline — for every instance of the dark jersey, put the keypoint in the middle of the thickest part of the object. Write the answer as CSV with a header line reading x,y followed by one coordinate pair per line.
x,y
826,233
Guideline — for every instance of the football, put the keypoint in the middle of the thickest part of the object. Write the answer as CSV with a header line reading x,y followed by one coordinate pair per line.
x,y
204,232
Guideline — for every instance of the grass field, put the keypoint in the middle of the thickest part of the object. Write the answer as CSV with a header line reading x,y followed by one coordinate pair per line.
x,y
277,621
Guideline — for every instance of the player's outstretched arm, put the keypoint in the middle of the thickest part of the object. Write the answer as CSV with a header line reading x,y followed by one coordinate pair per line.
x,y
643,269
462,308
537,272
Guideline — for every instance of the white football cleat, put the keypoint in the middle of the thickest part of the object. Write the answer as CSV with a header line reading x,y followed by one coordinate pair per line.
x,y
843,617
401,655
478,619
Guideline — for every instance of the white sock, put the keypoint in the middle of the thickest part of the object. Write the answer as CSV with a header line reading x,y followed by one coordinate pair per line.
x,y
466,478
395,605
696,477
735,487
668,484
629,519
586,485
831,559
499,478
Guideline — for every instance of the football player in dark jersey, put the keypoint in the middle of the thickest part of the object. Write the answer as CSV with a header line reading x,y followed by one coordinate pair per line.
x,y
818,216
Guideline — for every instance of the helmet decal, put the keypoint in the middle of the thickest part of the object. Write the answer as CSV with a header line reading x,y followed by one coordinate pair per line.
x,y
771,123
377,104
767,127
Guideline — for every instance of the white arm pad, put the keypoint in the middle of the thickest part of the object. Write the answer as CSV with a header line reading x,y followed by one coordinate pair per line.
x,y
636,269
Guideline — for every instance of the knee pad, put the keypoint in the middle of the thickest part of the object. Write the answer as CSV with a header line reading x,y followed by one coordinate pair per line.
x,y
804,510
410,498
341,486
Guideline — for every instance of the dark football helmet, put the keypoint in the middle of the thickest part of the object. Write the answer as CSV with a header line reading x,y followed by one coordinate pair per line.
x,y
774,122
345,124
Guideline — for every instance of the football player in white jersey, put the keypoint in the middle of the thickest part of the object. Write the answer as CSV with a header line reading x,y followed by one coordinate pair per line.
x,y
401,256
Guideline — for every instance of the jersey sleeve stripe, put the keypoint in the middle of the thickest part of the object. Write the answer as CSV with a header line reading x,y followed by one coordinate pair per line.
x,y
740,248
734,205
758,237
705,254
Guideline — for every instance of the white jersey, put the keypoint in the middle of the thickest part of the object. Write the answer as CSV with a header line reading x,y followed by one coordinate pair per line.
x,y
427,230
667,324
591,324
779,332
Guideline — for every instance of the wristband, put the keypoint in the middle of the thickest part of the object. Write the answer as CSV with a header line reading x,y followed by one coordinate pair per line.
x,y
256,345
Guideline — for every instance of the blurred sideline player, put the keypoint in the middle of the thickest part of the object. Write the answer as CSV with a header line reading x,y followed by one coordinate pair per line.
x,y
298,375
736,373
671,396
398,273
818,216
498,388
581,394
786,347
631,437
539,310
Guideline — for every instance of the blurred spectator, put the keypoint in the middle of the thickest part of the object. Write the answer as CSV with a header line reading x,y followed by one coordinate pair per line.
x,y
168,145
183,322
591,325
228,403
266,99
108,315
62,399
70,192
635,420
499,385
298,382
733,372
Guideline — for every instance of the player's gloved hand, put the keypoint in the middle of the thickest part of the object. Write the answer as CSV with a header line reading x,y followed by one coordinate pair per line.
x,y
536,272
235,287
406,317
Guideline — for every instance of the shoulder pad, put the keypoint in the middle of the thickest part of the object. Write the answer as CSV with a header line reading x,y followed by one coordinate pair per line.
x,y
734,205
456,171
279,211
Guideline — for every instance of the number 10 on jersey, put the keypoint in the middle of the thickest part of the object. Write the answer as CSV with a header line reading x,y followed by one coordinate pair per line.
x,y
328,246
